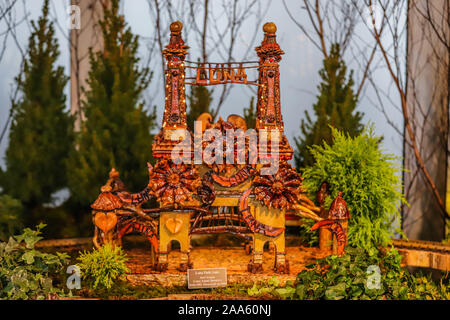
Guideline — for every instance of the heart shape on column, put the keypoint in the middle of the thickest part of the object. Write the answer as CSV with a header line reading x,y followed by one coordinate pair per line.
x,y
105,221
174,225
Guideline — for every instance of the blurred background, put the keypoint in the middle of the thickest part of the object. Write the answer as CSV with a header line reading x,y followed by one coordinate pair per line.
x,y
378,63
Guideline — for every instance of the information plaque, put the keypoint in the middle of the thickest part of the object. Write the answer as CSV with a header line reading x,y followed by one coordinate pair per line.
x,y
207,278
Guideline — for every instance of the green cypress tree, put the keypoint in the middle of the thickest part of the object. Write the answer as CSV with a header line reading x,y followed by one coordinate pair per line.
x,y
117,129
199,99
41,135
250,114
335,107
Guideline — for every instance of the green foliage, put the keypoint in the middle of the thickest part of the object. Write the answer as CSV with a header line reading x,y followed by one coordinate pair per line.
x,y
25,273
369,180
335,107
199,99
334,278
117,129
311,238
11,211
250,114
102,267
41,135
127,291
354,277
273,289
63,223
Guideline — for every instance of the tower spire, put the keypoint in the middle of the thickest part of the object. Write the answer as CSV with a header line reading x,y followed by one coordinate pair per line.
x,y
174,125
268,115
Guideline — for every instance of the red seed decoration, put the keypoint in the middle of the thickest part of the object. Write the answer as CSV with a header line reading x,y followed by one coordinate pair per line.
x,y
174,183
281,190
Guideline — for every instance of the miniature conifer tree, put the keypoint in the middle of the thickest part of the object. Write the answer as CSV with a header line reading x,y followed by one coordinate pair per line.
x,y
41,135
250,114
335,107
117,129
200,99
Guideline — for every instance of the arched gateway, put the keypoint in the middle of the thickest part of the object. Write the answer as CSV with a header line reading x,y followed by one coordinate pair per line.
x,y
198,184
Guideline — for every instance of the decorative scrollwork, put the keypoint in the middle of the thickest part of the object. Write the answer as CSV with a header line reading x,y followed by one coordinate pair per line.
x,y
337,230
238,178
139,198
206,191
253,224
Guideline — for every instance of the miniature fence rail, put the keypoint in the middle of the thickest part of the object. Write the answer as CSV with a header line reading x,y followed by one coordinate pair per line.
x,y
425,254
64,243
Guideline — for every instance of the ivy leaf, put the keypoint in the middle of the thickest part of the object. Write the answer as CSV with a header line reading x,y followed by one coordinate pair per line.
x,y
273,281
336,292
28,257
301,291
285,293
356,292
11,245
46,283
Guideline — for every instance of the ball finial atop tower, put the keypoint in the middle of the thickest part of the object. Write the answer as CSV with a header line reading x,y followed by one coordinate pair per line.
x,y
270,27
176,26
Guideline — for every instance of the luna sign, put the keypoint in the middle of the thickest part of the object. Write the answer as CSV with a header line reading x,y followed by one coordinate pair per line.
x,y
220,73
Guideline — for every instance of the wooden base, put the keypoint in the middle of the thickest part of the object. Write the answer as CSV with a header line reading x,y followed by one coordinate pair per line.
x,y
234,259
282,268
179,279
255,267
185,266
161,267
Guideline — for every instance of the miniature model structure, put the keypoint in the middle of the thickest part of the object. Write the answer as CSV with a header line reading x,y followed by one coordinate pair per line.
x,y
201,192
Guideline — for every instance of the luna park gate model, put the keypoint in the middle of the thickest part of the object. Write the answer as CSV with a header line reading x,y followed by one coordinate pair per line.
x,y
216,198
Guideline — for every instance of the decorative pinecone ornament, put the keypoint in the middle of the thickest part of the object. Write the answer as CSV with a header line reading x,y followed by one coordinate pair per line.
x,y
281,190
174,183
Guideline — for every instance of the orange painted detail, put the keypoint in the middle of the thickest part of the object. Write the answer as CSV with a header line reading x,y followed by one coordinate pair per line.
x,y
105,221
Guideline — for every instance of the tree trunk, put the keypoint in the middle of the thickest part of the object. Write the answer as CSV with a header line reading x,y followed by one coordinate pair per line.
x,y
427,102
